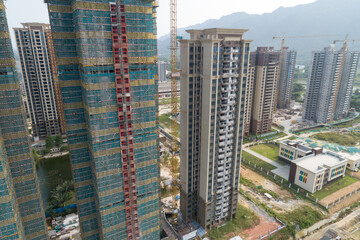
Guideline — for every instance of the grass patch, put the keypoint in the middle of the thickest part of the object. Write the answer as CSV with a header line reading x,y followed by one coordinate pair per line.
x,y
165,121
257,161
303,216
345,139
334,186
166,101
348,124
245,219
268,150
165,192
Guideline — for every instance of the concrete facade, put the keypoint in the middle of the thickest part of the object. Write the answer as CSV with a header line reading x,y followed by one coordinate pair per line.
x,y
328,93
353,160
265,84
162,71
286,78
32,44
314,171
213,79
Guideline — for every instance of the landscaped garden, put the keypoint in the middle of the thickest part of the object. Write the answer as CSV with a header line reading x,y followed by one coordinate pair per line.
x,y
254,160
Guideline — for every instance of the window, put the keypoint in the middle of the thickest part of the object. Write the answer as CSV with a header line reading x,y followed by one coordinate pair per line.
x,y
303,176
337,171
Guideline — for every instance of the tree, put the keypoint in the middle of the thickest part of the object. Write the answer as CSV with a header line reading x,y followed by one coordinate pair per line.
x,y
297,87
58,140
49,142
64,148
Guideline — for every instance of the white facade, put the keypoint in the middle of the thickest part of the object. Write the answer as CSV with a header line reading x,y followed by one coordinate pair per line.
x,y
353,160
292,150
314,171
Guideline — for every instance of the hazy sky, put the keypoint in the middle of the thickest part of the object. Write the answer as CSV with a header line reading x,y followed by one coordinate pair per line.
x,y
190,12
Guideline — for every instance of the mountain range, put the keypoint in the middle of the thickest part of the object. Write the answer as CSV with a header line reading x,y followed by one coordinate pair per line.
x,y
317,24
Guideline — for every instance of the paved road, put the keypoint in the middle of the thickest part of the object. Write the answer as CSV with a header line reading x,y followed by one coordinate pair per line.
x,y
265,159
171,234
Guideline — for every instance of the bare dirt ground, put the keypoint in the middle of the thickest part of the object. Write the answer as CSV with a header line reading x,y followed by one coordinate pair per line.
x,y
259,230
266,224
341,193
286,202
165,172
267,184
164,109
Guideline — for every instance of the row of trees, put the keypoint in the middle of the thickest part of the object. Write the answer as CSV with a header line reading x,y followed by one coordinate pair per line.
x,y
53,141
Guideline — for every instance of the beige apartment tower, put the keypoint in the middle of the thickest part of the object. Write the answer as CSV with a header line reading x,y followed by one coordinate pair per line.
x,y
213,77
261,90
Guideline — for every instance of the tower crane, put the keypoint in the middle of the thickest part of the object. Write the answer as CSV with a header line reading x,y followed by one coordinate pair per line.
x,y
174,72
282,56
174,98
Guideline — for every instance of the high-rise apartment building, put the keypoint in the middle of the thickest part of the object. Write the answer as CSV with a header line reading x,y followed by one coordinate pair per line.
x,y
213,75
106,52
286,78
260,92
162,71
330,84
34,53
21,211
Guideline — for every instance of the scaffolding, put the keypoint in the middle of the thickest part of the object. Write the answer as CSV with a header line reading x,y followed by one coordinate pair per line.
x,y
56,81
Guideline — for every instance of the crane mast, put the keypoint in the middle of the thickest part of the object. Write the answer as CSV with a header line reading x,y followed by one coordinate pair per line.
x,y
174,98
174,73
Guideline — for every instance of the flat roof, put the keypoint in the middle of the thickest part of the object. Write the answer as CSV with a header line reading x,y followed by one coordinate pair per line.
x,y
300,145
218,30
318,163
349,156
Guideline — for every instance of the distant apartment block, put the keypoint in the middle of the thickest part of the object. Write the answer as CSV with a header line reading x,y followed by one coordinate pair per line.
x,y
260,90
213,66
330,85
314,171
286,78
106,52
34,44
162,71
21,211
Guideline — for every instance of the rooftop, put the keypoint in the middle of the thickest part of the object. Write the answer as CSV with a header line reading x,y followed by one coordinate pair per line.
x,y
317,163
352,157
298,144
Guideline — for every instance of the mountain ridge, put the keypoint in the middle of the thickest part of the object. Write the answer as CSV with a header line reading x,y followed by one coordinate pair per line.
x,y
323,17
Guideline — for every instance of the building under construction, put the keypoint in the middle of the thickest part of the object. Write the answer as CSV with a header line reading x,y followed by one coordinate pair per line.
x,y
330,84
106,52
21,211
